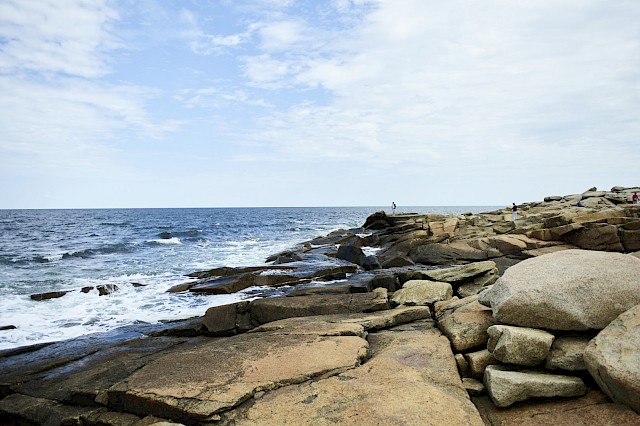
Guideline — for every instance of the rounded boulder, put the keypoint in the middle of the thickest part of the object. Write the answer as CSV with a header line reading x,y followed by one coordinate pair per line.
x,y
566,290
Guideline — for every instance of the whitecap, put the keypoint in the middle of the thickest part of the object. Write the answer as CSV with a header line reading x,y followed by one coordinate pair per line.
x,y
166,241
369,251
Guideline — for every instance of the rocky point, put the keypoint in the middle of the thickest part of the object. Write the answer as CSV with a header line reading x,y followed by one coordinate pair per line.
x,y
412,319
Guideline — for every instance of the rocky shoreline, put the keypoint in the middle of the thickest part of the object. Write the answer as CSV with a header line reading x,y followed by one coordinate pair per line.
x,y
412,319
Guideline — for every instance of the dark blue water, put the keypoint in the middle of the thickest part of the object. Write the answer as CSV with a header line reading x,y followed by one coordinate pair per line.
x,y
51,250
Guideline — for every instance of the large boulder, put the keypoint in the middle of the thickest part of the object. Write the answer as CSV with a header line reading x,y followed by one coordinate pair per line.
x,y
378,220
613,359
566,290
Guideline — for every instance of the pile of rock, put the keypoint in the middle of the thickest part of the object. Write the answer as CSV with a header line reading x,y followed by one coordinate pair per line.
x,y
531,334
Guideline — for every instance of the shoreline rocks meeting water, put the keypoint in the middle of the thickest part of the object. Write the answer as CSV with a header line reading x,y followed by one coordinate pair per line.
x,y
412,319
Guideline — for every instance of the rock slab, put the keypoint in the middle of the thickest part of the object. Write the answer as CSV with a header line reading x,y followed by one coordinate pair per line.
x,y
198,383
506,386
410,379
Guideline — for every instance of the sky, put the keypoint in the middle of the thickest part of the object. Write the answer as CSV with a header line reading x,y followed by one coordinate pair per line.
x,y
195,103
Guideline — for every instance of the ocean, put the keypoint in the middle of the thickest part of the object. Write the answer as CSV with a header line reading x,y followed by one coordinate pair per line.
x,y
143,252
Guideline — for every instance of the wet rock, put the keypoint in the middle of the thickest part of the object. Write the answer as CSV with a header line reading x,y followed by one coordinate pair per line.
x,y
225,285
351,254
78,371
370,263
106,289
48,295
7,327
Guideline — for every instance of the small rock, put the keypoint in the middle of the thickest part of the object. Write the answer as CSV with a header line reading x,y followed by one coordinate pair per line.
x,y
473,387
48,295
519,345
567,353
106,289
478,362
463,365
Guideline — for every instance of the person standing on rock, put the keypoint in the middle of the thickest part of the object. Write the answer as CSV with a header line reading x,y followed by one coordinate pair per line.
x,y
634,199
514,211
393,207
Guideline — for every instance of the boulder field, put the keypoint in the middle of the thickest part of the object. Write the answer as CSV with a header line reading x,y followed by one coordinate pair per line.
x,y
410,320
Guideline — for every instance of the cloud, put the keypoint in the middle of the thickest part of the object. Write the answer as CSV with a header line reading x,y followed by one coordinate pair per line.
x,y
47,36
58,112
71,124
202,43
458,82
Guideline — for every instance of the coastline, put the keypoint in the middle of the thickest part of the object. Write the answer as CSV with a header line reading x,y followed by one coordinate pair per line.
x,y
355,307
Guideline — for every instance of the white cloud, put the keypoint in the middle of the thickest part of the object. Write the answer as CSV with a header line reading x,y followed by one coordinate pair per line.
x,y
69,124
57,112
282,35
265,71
65,36
422,82
202,43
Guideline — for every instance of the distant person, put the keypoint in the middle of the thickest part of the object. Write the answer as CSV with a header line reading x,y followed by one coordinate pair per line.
x,y
514,211
635,199
579,204
393,207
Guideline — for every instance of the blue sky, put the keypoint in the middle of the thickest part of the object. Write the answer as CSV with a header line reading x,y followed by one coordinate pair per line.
x,y
132,103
